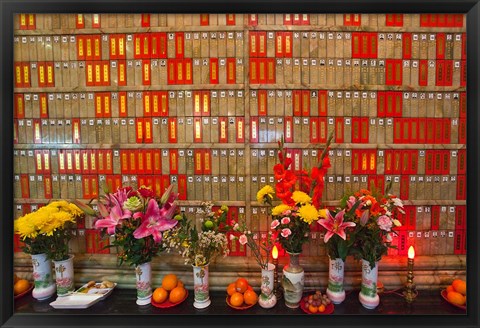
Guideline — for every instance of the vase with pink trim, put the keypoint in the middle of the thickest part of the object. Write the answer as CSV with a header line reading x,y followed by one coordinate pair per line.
x,y
64,277
368,293
42,277
143,274
335,290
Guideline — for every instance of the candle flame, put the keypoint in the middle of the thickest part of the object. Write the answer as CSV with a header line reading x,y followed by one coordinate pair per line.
x,y
411,253
275,252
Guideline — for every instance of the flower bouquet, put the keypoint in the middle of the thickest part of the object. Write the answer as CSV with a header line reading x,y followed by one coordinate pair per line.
x,y
200,245
46,234
375,218
136,220
301,193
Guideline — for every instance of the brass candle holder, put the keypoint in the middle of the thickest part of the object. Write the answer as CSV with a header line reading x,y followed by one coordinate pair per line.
x,y
410,292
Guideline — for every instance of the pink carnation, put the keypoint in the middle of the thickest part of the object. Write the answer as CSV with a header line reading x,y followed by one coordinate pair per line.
x,y
384,222
243,239
285,220
274,224
286,232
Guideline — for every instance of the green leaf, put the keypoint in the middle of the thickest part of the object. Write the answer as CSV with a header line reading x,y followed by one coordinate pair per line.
x,y
85,208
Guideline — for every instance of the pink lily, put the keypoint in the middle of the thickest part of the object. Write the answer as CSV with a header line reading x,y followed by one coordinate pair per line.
x,y
335,225
112,219
155,220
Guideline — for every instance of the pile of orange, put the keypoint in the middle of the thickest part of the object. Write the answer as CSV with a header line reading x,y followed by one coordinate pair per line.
x,y
172,290
457,292
19,285
241,293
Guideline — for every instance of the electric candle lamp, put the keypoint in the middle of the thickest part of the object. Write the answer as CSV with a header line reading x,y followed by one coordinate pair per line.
x,y
410,292
275,273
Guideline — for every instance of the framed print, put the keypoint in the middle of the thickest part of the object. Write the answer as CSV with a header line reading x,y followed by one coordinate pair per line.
x,y
247,163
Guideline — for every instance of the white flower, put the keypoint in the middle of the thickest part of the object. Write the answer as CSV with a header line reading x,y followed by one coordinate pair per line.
x,y
232,237
389,237
236,227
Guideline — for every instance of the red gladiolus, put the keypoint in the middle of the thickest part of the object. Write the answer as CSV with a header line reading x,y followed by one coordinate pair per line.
x,y
289,179
279,171
288,162
284,193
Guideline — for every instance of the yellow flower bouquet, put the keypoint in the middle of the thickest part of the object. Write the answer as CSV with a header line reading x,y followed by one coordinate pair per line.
x,y
49,229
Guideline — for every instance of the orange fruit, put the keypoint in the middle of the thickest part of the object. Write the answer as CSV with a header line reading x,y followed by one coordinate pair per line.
x,y
321,308
236,299
249,287
456,298
460,286
241,285
231,289
169,282
250,297
160,295
15,278
180,284
450,289
20,286
177,294
312,308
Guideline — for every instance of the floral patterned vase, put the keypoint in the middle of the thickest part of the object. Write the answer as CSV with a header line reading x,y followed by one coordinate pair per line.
x,y
143,274
292,281
267,298
42,277
201,287
368,294
335,291
64,276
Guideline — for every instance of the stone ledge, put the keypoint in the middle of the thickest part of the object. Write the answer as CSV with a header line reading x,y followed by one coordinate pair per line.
x,y
431,272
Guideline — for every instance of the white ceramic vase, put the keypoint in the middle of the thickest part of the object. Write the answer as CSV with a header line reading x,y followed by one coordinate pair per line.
x,y
335,290
143,274
267,298
293,281
64,276
201,287
42,277
368,294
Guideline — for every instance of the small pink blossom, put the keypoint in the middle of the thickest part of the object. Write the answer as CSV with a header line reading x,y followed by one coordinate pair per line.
x,y
384,223
351,201
274,224
286,232
243,239
285,220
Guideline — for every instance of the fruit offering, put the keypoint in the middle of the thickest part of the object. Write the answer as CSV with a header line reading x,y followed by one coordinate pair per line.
x,y
172,290
241,294
457,292
20,285
316,302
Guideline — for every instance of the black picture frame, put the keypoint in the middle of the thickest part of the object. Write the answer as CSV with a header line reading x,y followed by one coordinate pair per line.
x,y
10,7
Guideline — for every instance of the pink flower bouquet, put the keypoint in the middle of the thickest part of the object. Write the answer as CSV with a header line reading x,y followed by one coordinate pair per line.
x,y
136,219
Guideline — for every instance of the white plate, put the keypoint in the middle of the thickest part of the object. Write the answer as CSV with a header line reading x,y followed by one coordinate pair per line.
x,y
76,301
104,292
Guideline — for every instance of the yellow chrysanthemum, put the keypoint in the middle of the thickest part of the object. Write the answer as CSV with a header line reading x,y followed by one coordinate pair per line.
x,y
266,191
278,210
301,197
323,213
75,210
308,213
25,228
